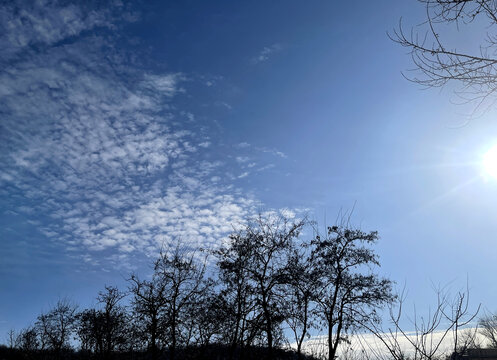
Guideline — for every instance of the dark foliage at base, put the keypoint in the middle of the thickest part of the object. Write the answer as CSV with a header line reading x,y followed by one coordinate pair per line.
x,y
215,352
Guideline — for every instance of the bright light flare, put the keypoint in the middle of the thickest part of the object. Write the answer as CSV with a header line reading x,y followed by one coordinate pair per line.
x,y
490,162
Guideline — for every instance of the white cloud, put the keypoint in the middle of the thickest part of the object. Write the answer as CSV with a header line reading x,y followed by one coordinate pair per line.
x,y
44,23
243,145
266,53
274,152
224,104
93,145
242,159
165,84
372,345
266,167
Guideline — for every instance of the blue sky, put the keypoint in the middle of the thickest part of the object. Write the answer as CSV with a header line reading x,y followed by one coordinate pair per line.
x,y
124,126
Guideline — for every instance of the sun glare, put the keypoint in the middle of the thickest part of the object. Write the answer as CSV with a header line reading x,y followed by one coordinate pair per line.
x,y
490,162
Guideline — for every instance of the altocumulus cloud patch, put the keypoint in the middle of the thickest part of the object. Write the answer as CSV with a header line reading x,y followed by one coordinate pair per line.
x,y
96,146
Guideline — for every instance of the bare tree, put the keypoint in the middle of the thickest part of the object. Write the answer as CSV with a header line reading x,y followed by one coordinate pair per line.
x,y
208,318
237,293
253,272
56,326
102,331
302,284
89,330
270,239
488,328
28,340
149,304
440,62
12,338
349,291
182,277
114,316
444,324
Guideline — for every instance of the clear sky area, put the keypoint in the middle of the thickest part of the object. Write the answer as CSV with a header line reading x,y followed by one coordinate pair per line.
x,y
124,126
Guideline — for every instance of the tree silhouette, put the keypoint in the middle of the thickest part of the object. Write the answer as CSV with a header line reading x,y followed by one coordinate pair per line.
x,y
149,304
55,326
89,329
28,340
237,295
488,328
440,62
270,239
182,278
301,290
349,291
13,337
428,335
114,319
253,273
266,277
102,331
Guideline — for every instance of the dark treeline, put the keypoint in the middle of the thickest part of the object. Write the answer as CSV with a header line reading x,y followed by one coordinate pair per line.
x,y
249,298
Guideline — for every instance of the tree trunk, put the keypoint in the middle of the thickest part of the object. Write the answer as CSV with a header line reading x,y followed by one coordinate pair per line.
x,y
269,332
153,339
304,331
270,342
173,342
331,350
234,342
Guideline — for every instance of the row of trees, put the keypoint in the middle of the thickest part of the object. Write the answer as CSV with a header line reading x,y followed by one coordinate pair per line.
x,y
265,287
